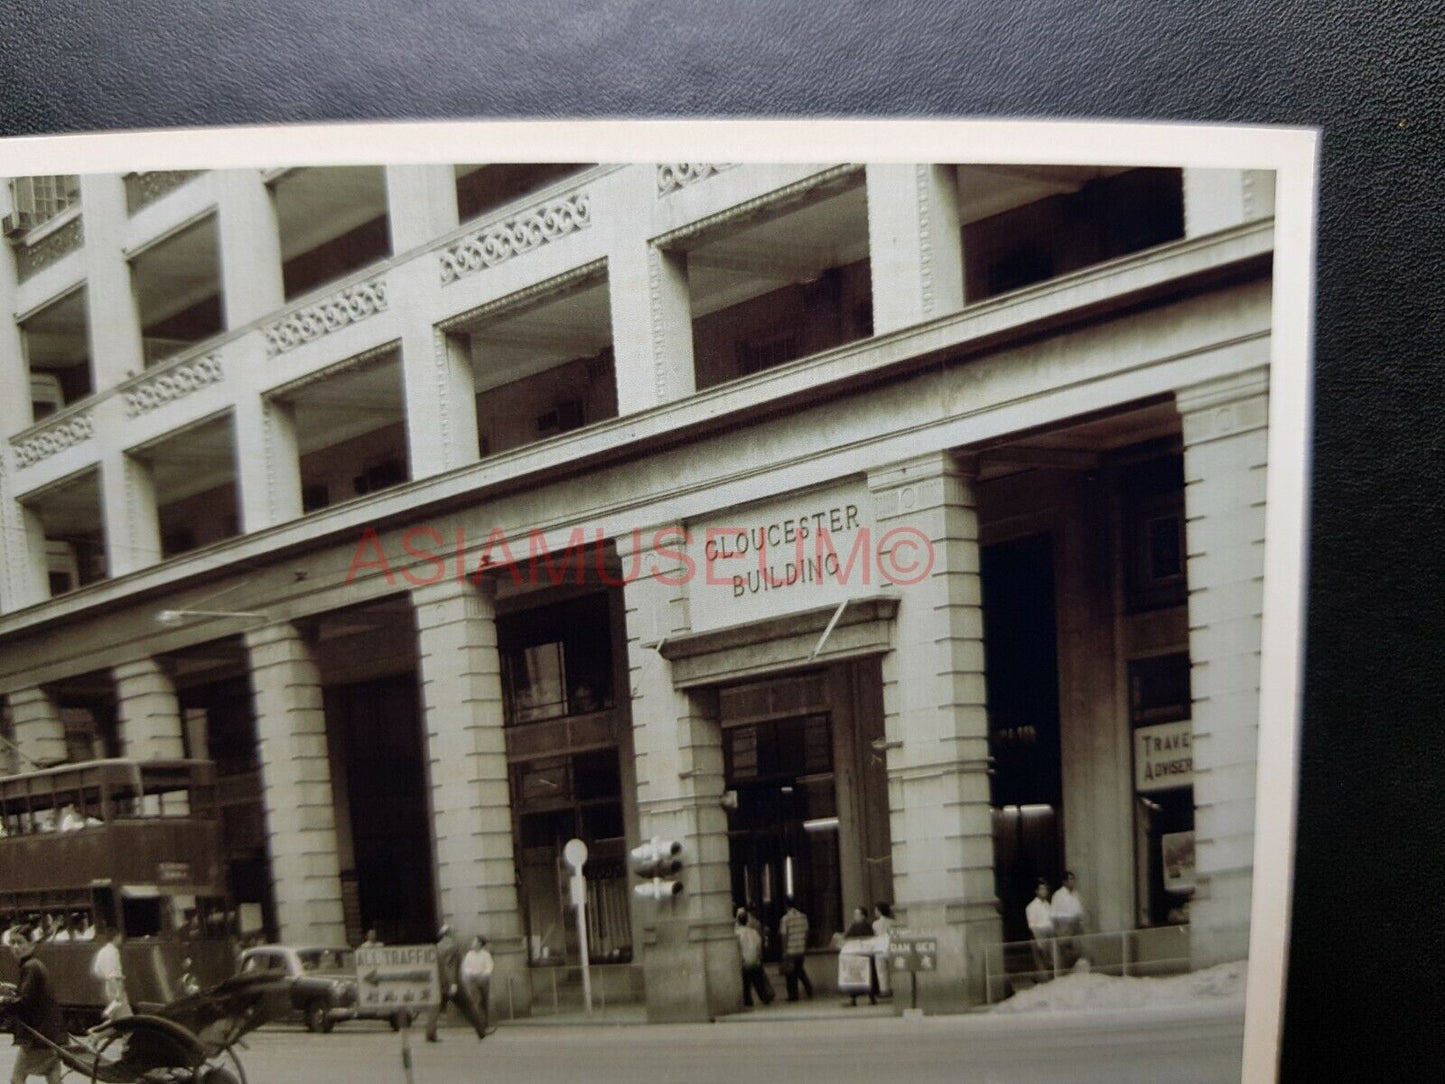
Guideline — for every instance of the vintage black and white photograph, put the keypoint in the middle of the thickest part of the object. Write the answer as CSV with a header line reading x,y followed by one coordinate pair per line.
x,y
483,600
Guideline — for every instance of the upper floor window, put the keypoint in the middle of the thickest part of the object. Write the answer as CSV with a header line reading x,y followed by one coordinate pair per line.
x,y
557,660
39,199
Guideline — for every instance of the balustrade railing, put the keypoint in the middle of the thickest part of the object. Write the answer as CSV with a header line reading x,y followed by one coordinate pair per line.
x,y
1158,950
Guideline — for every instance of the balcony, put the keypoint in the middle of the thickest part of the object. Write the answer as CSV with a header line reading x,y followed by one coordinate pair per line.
x,y
542,369
56,345
332,222
192,474
790,281
65,519
177,287
350,430
1028,224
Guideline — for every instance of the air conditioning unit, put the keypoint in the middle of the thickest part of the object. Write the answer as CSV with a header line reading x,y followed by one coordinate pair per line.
x,y
563,418
16,223
46,396
62,566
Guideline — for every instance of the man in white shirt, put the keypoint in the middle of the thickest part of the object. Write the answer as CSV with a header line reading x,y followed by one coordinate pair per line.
x,y
476,983
1041,927
107,968
1067,912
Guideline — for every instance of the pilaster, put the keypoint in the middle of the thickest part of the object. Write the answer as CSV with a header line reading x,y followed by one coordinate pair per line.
x,y
114,321
128,510
296,784
440,386
915,244
39,732
251,282
150,714
16,411
467,764
651,309
690,952
421,204
1215,199
268,464
936,722
1225,433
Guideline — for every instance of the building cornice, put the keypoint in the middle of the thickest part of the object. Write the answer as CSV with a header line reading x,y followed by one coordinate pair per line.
x,y
1166,273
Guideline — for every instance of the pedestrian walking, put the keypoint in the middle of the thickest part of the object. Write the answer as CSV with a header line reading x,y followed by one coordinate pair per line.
x,y
476,983
793,932
883,923
107,968
1041,928
37,1018
449,959
750,944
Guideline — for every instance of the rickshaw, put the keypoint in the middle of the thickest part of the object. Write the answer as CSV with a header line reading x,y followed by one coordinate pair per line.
x,y
192,1040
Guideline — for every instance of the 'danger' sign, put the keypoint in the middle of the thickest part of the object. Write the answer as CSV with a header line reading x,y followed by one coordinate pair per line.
x,y
807,550
1163,756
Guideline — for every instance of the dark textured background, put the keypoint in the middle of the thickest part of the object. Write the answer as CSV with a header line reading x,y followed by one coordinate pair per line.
x,y
1366,962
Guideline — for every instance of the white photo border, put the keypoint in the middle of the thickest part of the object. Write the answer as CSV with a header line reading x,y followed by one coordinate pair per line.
x,y
1292,153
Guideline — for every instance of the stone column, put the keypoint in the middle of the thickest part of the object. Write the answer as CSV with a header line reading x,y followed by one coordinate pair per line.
x,y
1215,199
251,281
39,733
1225,435
467,764
150,714
690,953
132,532
296,781
936,722
915,244
114,321
421,204
439,383
440,389
16,410
23,572
651,307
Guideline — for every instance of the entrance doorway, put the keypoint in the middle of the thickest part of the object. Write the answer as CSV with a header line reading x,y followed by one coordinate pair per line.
x,y
1022,685
783,833
379,775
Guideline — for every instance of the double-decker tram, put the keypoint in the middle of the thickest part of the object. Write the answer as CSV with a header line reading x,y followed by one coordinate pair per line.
x,y
132,846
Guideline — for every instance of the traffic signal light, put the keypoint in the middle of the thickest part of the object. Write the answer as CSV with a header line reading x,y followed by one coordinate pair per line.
x,y
656,861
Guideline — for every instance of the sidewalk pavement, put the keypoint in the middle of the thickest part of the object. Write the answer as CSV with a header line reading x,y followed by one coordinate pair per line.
x,y
823,1007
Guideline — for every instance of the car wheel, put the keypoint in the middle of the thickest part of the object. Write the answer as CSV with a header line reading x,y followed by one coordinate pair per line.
x,y
316,1018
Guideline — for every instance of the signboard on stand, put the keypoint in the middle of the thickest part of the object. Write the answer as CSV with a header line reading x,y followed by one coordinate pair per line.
x,y
394,978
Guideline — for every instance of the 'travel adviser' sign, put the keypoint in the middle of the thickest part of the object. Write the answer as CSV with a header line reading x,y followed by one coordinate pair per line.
x,y
397,977
1163,757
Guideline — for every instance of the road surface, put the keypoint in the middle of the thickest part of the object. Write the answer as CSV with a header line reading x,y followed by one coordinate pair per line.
x,y
1199,1046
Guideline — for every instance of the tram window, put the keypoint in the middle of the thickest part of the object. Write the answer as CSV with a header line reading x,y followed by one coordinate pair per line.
x,y
142,916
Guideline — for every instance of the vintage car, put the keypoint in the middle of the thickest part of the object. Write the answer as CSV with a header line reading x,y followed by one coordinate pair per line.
x,y
322,979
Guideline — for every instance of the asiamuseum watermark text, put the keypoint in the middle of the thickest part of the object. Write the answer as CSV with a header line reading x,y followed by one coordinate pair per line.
x,y
746,560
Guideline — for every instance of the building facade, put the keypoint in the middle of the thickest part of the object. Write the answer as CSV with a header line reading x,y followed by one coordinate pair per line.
x,y
881,533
